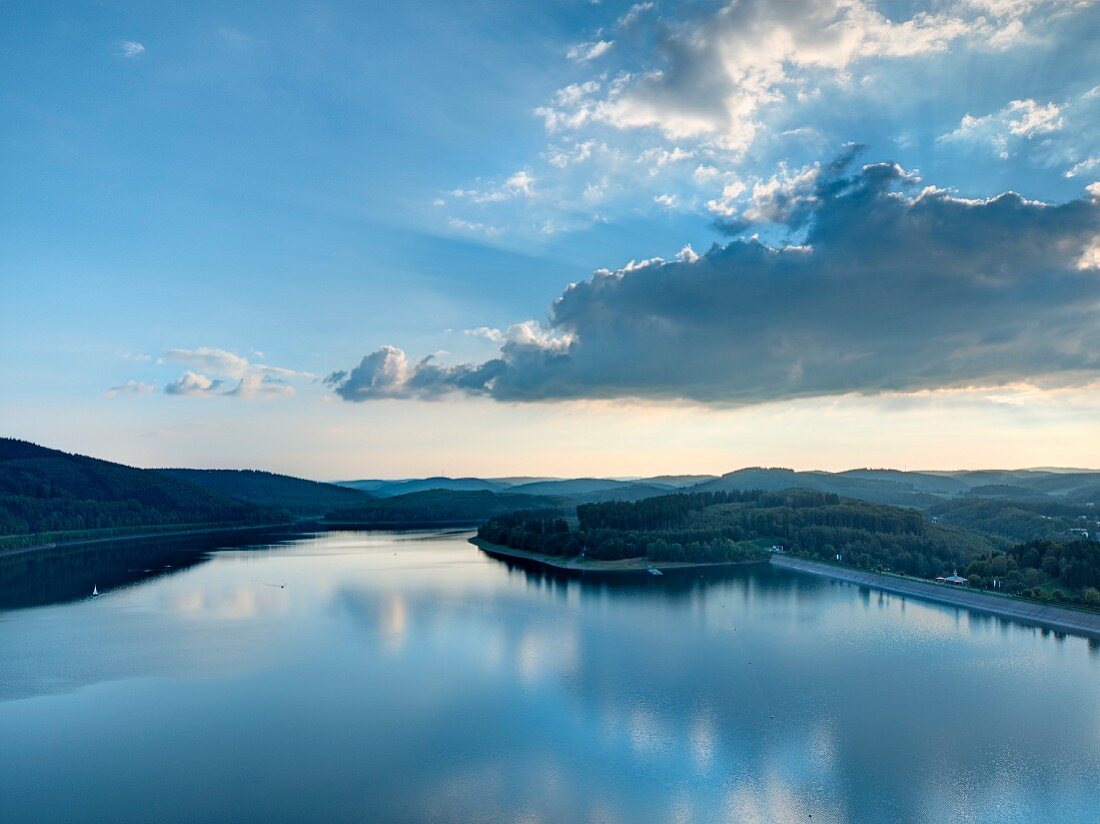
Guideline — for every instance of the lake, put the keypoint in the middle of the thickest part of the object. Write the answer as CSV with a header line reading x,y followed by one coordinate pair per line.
x,y
355,676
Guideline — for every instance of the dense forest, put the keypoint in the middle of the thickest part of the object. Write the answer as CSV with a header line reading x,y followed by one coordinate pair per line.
x,y
47,491
732,526
1044,570
1016,519
295,495
442,506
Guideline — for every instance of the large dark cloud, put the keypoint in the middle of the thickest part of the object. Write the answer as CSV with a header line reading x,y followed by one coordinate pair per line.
x,y
890,288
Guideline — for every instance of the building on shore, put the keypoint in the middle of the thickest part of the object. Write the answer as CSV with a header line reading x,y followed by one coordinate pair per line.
x,y
954,578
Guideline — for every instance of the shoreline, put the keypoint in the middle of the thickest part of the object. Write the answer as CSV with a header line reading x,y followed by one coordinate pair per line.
x,y
575,565
386,526
1046,616
145,536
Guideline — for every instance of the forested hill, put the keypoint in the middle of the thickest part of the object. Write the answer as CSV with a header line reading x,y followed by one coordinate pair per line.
x,y
1020,520
440,506
295,495
736,525
47,491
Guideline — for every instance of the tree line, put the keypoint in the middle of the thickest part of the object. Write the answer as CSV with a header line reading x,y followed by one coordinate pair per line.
x,y
45,491
731,526
1059,571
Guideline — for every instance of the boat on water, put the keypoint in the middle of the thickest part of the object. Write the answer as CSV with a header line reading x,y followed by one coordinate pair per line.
x,y
654,571
95,591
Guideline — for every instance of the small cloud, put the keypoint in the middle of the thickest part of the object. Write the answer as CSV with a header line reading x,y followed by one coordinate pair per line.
x,y
130,49
667,201
218,361
583,52
487,332
521,183
261,386
687,254
473,227
130,389
633,13
704,174
1084,166
193,384
1019,120
248,379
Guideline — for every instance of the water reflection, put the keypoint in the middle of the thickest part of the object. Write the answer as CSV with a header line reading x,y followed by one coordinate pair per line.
x,y
354,676
35,577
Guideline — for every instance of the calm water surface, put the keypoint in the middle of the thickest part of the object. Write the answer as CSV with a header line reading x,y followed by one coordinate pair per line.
x,y
385,677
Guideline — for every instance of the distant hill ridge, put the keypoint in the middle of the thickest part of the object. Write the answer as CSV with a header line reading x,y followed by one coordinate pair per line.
x,y
295,495
445,506
45,491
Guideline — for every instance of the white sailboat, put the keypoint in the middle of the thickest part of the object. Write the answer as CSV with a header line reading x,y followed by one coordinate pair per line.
x,y
95,591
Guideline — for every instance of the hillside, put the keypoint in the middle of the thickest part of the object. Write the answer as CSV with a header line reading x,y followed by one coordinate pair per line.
x,y
45,490
1019,520
295,495
444,506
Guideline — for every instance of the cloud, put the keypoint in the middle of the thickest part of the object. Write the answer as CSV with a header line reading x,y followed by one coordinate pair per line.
x,y
487,332
130,49
255,385
520,184
130,388
742,85
583,52
711,78
634,14
889,286
1022,119
473,227
1086,165
387,373
251,380
193,384
218,361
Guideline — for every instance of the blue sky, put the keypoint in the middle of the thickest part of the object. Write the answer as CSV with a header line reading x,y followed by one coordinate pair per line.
x,y
208,210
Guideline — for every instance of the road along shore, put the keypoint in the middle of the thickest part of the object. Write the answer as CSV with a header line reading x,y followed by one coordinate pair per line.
x,y
1061,619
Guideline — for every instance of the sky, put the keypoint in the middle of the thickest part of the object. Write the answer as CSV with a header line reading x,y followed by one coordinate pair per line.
x,y
572,238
